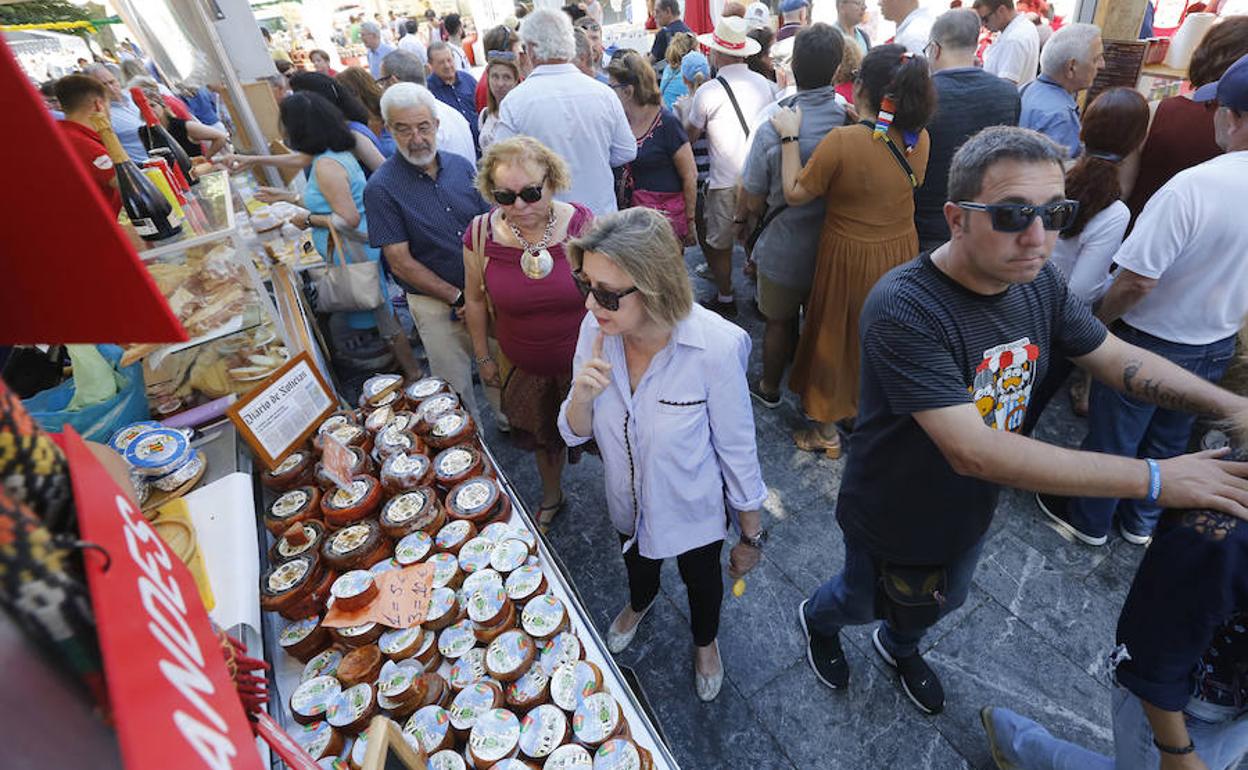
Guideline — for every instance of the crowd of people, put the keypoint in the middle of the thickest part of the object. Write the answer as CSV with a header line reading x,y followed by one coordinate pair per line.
x,y
938,237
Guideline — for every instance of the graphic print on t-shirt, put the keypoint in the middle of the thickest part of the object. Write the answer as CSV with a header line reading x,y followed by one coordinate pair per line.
x,y
1003,382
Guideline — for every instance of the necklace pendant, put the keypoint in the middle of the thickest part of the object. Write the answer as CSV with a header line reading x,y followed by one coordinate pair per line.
x,y
537,266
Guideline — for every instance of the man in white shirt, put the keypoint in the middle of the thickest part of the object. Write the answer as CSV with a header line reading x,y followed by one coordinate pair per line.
x,y
1181,291
454,133
1015,54
568,111
726,110
914,24
411,41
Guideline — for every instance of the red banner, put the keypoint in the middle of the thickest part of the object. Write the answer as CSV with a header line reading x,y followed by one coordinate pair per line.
x,y
294,755
173,702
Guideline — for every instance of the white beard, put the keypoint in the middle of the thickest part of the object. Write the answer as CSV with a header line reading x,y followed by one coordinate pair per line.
x,y
424,159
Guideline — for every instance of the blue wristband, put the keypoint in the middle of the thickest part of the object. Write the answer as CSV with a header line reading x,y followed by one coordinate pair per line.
x,y
1154,481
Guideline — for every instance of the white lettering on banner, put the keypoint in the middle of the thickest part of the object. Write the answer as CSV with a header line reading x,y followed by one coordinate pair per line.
x,y
214,748
166,610
280,413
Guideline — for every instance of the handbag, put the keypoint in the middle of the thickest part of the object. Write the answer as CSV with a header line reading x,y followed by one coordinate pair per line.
x,y
350,286
480,261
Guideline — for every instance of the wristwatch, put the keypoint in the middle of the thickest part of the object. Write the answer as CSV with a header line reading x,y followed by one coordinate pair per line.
x,y
757,540
459,299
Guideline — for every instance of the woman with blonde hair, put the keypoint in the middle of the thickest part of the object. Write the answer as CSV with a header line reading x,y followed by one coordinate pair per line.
x,y
660,386
502,73
663,175
673,84
517,278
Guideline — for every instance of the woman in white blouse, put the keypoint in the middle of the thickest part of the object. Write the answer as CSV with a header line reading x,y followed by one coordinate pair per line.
x,y
1114,128
660,385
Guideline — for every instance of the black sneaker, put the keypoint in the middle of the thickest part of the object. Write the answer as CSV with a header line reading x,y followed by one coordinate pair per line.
x,y
762,397
726,309
824,654
1055,507
917,678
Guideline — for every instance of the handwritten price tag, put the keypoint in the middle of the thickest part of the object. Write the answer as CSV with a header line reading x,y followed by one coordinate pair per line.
x,y
402,600
337,459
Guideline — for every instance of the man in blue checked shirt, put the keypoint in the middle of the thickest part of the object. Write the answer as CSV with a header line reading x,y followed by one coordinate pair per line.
x,y
419,204
454,87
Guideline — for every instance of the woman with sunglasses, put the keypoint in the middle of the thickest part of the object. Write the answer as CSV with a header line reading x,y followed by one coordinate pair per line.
x,y
518,288
501,42
663,176
660,386
501,75
867,173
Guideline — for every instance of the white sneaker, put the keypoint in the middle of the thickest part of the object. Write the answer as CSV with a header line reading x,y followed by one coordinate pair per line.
x,y
618,641
1133,538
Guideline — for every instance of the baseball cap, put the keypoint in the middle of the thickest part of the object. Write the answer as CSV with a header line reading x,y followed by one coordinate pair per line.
x,y
757,16
1231,90
789,6
694,64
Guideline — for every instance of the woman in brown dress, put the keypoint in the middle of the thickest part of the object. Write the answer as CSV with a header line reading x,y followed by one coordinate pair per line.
x,y
867,173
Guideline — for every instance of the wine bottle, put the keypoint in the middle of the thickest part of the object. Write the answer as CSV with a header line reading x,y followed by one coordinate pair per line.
x,y
149,211
158,137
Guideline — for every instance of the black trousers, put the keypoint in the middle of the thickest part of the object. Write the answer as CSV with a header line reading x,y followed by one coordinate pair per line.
x,y
703,578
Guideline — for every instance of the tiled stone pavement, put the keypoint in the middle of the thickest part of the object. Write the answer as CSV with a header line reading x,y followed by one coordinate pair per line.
x,y
1033,635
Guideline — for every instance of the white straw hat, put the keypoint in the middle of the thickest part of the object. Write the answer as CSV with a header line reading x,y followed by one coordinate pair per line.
x,y
729,37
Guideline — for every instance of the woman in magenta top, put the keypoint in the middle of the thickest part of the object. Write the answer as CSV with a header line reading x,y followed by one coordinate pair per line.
x,y
518,288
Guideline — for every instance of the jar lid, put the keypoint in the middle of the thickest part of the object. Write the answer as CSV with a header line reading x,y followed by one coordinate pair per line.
x,y
314,738
441,602
379,385
123,437
543,730
296,632
543,615
572,683
617,754
342,499
474,497
290,503
417,507
429,725
405,465
508,554
292,461
481,579
485,604
523,582
311,531
396,640
324,663
494,735
288,575
509,652
472,702
563,648
569,756
351,584
432,407
453,533
349,539
475,554
470,668
597,718
457,639
447,759
412,548
351,705
455,461
445,568
424,388
158,451
449,424
528,689
379,418
313,697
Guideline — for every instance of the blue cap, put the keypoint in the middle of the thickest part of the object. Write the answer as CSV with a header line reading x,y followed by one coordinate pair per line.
x,y
789,6
695,64
1231,90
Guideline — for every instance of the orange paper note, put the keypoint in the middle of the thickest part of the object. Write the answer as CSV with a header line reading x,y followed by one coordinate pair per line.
x,y
402,600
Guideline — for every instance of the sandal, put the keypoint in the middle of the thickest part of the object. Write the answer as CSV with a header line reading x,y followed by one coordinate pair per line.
x,y
810,440
546,514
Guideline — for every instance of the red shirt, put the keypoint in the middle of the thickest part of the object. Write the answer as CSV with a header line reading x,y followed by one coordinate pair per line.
x,y
94,159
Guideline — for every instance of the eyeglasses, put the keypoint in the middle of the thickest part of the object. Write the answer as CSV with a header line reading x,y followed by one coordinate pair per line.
x,y
403,131
606,299
1016,217
530,194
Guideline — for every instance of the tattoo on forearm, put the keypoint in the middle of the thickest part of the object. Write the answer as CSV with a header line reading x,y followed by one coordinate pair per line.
x,y
1155,391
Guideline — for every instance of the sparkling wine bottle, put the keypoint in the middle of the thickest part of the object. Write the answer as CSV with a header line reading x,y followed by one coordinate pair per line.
x,y
150,213
158,139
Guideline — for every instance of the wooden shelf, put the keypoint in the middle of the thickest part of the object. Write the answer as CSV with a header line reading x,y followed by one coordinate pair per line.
x,y
1162,71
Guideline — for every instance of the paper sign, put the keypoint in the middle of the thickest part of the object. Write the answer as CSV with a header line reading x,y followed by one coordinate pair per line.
x,y
336,461
173,701
277,416
402,600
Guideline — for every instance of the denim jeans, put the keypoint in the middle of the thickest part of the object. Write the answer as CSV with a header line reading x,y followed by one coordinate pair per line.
x,y
849,598
1119,424
1031,747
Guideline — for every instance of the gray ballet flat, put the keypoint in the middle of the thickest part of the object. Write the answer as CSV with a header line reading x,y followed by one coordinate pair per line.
x,y
708,686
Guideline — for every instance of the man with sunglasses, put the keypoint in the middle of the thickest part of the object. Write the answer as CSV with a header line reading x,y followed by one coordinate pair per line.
x,y
952,346
1180,291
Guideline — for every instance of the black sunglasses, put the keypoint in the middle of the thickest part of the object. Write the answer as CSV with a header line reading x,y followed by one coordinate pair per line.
x,y
530,194
1016,217
606,299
